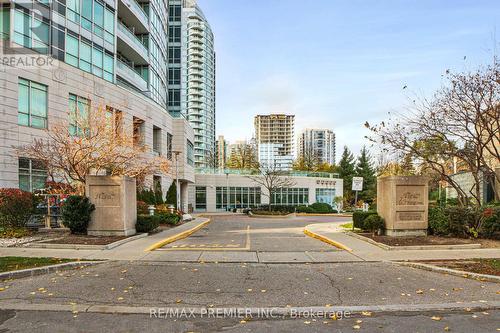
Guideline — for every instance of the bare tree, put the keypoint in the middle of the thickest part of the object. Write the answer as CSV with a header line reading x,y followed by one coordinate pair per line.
x,y
459,124
272,178
309,161
92,143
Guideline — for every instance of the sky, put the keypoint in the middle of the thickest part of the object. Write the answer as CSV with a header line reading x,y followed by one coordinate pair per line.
x,y
336,64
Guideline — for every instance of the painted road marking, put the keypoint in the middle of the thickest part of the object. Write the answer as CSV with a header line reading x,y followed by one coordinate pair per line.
x,y
211,247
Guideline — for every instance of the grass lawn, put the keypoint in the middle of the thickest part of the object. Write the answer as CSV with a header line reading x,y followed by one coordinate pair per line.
x,y
16,263
348,226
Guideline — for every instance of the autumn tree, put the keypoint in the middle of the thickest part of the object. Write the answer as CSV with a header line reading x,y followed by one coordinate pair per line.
x,y
94,142
244,156
458,124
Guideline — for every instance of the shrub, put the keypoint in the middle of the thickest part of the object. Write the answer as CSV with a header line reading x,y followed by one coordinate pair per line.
x,y
321,208
461,220
358,218
438,221
15,207
373,223
305,209
267,212
14,232
147,223
167,218
490,224
142,207
277,208
75,213
171,197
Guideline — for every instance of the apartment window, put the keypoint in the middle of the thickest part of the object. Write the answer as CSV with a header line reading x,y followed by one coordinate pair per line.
x,y
174,13
174,76
109,26
85,57
169,145
115,119
109,65
157,140
201,198
190,153
79,110
72,50
73,10
174,97
87,14
32,104
156,184
4,23
174,55
30,32
32,174
98,18
97,56
138,131
174,34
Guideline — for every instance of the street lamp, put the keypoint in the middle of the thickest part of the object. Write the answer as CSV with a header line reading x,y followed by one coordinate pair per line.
x,y
177,192
227,191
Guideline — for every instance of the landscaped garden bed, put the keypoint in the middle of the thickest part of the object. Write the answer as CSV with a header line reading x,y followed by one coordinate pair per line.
x,y
480,266
430,240
8,264
85,240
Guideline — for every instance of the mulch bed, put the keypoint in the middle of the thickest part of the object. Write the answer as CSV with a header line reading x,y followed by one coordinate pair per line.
x,y
480,266
86,240
430,240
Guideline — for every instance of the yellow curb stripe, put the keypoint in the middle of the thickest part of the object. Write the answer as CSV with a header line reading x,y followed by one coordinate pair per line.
x,y
327,240
174,238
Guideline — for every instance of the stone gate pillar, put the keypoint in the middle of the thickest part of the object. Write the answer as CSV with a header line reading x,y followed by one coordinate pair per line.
x,y
115,203
403,203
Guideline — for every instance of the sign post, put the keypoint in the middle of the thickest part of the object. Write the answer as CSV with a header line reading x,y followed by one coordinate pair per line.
x,y
357,185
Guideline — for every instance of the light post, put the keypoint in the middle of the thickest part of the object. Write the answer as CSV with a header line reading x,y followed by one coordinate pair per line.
x,y
227,191
177,192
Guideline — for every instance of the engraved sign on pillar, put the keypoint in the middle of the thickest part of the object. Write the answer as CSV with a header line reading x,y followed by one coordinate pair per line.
x,y
409,195
105,196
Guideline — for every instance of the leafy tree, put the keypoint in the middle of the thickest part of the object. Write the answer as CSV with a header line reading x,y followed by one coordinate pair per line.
x,y
365,169
171,198
346,171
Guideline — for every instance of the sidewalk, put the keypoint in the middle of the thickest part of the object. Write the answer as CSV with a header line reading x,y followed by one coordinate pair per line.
x,y
370,252
134,250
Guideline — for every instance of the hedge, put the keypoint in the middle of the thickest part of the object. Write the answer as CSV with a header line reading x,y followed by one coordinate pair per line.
x,y
167,218
147,223
359,217
15,207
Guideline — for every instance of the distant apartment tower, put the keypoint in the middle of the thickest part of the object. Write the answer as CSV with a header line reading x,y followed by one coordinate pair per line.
x,y
274,135
318,143
191,75
222,152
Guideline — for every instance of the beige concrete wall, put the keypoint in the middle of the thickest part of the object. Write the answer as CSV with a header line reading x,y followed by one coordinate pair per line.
x,y
403,203
212,181
115,205
63,79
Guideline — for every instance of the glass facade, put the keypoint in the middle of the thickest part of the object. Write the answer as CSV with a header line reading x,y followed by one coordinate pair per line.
x,y
326,195
32,104
32,174
290,197
79,109
238,197
201,198
4,23
190,153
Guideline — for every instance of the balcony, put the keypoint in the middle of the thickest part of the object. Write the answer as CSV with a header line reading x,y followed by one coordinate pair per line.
x,y
132,13
131,46
130,75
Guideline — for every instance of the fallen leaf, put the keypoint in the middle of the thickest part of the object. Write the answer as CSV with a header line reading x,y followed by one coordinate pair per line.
x,y
249,289
120,298
420,291
356,327
307,322
436,318
359,321
446,328
242,321
366,313
263,291
178,301
124,271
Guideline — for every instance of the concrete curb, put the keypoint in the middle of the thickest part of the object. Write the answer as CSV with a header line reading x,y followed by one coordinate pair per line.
x,y
178,236
326,240
444,270
43,245
287,216
335,215
414,247
46,269
278,311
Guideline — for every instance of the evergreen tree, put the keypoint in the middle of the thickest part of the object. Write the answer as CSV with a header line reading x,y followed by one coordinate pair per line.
x,y
346,172
171,198
365,169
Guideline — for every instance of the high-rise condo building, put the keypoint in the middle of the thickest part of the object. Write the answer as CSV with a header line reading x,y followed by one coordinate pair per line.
x,y
121,55
274,135
318,144
191,70
222,152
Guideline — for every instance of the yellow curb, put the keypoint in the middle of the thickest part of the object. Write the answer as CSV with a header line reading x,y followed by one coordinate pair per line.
x,y
174,238
327,240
